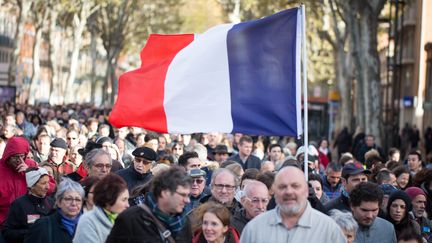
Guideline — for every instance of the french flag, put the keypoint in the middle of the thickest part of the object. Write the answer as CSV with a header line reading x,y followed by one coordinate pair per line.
x,y
241,78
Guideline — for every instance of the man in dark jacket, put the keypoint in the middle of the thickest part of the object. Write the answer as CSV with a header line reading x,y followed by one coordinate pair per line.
x,y
245,157
27,209
162,217
255,199
352,175
139,172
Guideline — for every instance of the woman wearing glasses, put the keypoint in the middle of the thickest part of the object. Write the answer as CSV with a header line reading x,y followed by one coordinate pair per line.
x,y
215,227
60,226
110,197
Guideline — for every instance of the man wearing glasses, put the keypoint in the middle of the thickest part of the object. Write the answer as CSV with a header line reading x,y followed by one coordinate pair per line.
x,y
254,200
139,173
162,217
98,163
223,188
198,188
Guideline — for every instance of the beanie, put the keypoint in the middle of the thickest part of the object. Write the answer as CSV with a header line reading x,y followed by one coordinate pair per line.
x,y
414,192
33,176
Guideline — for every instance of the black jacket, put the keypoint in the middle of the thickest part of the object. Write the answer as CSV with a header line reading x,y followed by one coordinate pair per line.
x,y
133,178
251,162
23,213
340,203
239,220
135,225
48,230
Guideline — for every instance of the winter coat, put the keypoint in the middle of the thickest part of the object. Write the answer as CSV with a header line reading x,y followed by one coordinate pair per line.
x,y
133,178
135,225
48,230
12,183
23,213
93,227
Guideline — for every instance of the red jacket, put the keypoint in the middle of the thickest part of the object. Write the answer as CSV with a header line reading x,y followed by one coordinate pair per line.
x,y
12,183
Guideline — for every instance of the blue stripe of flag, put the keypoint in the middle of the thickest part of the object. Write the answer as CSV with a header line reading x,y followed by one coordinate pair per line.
x,y
262,69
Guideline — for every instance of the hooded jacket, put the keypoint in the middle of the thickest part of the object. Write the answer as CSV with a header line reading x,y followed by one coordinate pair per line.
x,y
12,183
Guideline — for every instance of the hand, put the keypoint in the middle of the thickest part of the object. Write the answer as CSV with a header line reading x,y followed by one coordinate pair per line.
x,y
22,167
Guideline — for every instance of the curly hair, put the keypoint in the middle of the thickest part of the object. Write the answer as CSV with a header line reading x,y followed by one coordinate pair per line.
x,y
170,180
366,192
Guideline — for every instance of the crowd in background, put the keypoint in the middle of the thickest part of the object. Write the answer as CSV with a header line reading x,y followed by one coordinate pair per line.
x,y
67,175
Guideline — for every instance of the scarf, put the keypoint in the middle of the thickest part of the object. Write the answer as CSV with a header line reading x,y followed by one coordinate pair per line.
x,y
174,223
111,216
68,223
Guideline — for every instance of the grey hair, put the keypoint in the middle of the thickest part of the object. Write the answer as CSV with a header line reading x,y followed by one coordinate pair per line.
x,y
345,220
67,185
221,171
247,190
91,156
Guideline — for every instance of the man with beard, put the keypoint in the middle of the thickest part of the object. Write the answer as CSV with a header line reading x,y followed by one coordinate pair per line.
x,y
365,201
418,197
293,219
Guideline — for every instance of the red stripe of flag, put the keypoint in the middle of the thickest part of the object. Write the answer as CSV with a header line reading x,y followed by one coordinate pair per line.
x,y
141,92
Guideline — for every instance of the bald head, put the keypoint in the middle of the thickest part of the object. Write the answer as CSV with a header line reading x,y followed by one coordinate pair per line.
x,y
291,191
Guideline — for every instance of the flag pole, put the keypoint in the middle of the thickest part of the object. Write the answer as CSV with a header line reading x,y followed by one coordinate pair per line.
x,y
305,95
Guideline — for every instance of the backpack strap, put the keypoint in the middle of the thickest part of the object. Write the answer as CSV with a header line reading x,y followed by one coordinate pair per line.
x,y
164,233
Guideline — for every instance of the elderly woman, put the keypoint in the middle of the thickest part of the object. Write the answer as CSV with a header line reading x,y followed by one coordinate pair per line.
x,y
346,222
110,197
215,227
60,226
26,209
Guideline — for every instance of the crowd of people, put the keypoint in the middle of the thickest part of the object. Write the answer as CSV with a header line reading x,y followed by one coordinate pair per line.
x,y
67,175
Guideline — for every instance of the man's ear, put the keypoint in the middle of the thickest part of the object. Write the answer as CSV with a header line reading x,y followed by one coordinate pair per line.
x,y
344,181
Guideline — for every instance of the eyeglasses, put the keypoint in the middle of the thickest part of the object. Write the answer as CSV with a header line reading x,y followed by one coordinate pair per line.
x,y
71,199
197,181
222,186
256,200
101,166
184,195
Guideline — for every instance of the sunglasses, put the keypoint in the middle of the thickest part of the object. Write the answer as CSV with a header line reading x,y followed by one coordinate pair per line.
x,y
197,181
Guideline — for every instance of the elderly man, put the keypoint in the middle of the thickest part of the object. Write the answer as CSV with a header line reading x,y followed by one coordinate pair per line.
x,y
418,198
352,175
223,185
365,201
139,173
56,159
162,217
293,219
221,153
98,163
255,199
198,188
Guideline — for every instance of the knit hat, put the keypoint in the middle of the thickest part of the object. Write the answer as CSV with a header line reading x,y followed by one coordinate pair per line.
x,y
400,195
33,176
413,192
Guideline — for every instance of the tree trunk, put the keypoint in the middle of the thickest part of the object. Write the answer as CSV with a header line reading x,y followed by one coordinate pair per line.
x,y
351,10
52,49
93,53
36,65
24,8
